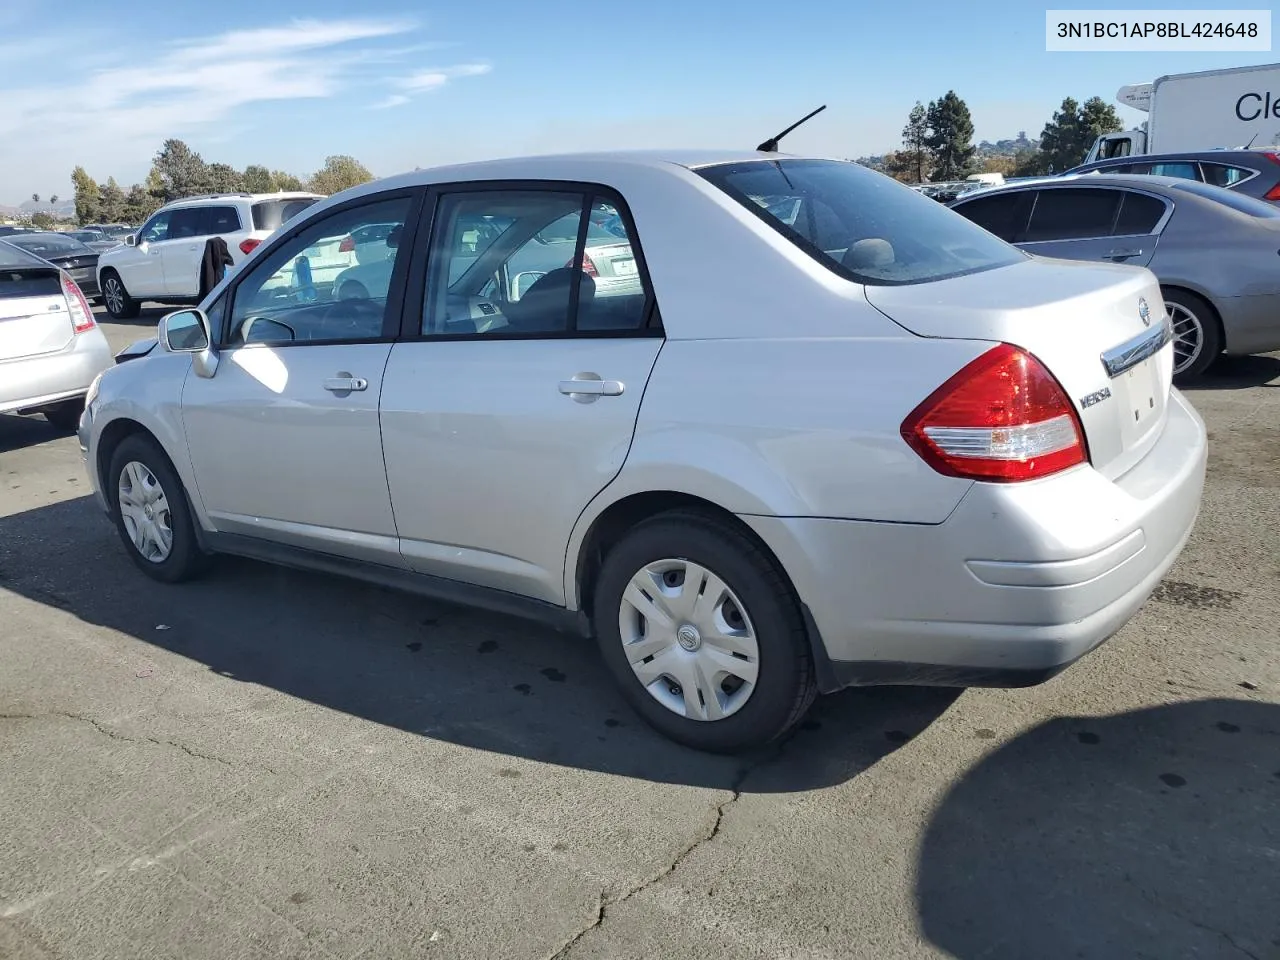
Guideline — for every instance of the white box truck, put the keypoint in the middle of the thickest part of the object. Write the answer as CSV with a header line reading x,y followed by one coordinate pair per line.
x,y
1228,109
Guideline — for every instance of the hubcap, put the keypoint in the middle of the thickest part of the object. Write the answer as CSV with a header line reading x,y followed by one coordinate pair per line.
x,y
1188,336
114,295
145,511
688,639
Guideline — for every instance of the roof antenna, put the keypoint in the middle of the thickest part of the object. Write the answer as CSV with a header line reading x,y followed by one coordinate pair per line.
x,y
771,145
1249,145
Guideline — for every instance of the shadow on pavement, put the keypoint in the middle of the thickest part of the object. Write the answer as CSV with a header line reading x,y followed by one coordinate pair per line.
x,y
1148,834
17,432
475,679
1240,373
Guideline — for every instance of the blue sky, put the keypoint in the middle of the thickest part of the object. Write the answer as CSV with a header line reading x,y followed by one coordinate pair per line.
x,y
399,84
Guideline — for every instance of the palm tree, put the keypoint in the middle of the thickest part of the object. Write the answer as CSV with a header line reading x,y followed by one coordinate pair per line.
x,y
53,200
35,198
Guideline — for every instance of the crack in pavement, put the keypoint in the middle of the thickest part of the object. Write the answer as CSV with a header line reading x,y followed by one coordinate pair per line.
x,y
1164,908
604,901
117,735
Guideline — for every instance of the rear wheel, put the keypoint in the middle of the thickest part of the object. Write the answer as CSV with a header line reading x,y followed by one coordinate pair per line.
x,y
1197,340
703,634
120,305
149,506
65,416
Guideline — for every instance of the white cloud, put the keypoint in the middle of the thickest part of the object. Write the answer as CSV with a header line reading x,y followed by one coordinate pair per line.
x,y
424,81
113,117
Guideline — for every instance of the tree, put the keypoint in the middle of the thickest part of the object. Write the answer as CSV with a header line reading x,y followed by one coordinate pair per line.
x,y
338,174
286,181
1096,118
1060,141
88,202
53,199
111,202
950,139
999,164
224,178
179,171
257,179
1029,163
914,141
42,220
35,198
901,165
138,205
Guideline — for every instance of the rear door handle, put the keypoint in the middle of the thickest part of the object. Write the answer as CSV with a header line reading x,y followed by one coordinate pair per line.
x,y
587,387
346,384
1124,253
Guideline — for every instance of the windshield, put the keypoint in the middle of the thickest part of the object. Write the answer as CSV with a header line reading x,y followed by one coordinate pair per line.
x,y
270,214
1241,203
49,244
859,223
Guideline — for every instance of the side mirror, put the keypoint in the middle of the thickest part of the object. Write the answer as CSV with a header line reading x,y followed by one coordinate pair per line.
x,y
130,239
187,331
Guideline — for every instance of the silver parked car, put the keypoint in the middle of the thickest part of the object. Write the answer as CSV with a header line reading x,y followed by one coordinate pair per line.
x,y
1213,249
50,347
870,445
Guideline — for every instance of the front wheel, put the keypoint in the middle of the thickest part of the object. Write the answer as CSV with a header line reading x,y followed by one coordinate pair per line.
x,y
703,634
149,506
120,305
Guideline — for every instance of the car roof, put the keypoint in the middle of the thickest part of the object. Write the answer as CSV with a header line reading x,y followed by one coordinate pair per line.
x,y
11,256
223,198
1206,156
1136,181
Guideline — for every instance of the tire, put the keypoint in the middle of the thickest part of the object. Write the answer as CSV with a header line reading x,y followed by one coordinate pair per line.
x,y
66,416
119,304
143,457
1197,334
784,686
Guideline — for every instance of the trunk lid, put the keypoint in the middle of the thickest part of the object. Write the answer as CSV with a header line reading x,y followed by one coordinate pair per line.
x,y
34,318
1083,321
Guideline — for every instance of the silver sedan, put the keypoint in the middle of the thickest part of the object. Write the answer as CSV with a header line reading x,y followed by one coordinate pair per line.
x,y
1213,250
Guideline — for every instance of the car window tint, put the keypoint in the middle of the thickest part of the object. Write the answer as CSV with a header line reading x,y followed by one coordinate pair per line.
x,y
494,271
220,220
1224,175
996,214
1139,214
1181,170
272,214
1072,214
156,229
609,260
186,223
313,289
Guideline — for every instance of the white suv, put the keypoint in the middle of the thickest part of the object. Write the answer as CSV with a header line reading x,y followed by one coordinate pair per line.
x,y
161,262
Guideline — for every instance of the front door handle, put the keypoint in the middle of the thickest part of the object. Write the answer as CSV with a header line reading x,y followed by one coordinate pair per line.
x,y
1124,254
589,387
346,384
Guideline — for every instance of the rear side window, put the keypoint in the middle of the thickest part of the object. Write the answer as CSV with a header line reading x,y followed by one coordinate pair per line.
x,y
272,214
1139,214
859,223
219,220
1072,214
1224,175
997,214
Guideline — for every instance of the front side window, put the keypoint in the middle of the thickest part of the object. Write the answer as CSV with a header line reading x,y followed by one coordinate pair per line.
x,y
531,262
186,223
311,289
1071,213
157,228
859,223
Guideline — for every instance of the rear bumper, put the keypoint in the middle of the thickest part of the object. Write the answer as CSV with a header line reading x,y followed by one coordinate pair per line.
x,y
1250,324
1018,583
35,382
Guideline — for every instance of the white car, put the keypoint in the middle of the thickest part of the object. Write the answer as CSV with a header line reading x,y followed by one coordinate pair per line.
x,y
50,347
874,445
161,261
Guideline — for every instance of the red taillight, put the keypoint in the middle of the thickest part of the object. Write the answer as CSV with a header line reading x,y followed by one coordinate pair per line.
x,y
248,245
347,245
1270,155
1002,418
1273,194
588,267
77,306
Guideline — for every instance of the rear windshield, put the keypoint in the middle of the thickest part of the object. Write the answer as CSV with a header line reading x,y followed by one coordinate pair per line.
x,y
861,224
1240,202
49,244
35,282
271,214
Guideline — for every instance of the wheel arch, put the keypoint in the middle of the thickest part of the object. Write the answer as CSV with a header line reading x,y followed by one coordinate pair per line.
x,y
1195,290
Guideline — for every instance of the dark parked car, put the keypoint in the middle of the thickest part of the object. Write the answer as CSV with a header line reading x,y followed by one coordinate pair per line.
x,y
1213,250
1255,173
78,259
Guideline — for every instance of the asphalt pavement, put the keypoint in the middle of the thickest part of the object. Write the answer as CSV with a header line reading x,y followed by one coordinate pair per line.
x,y
267,763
